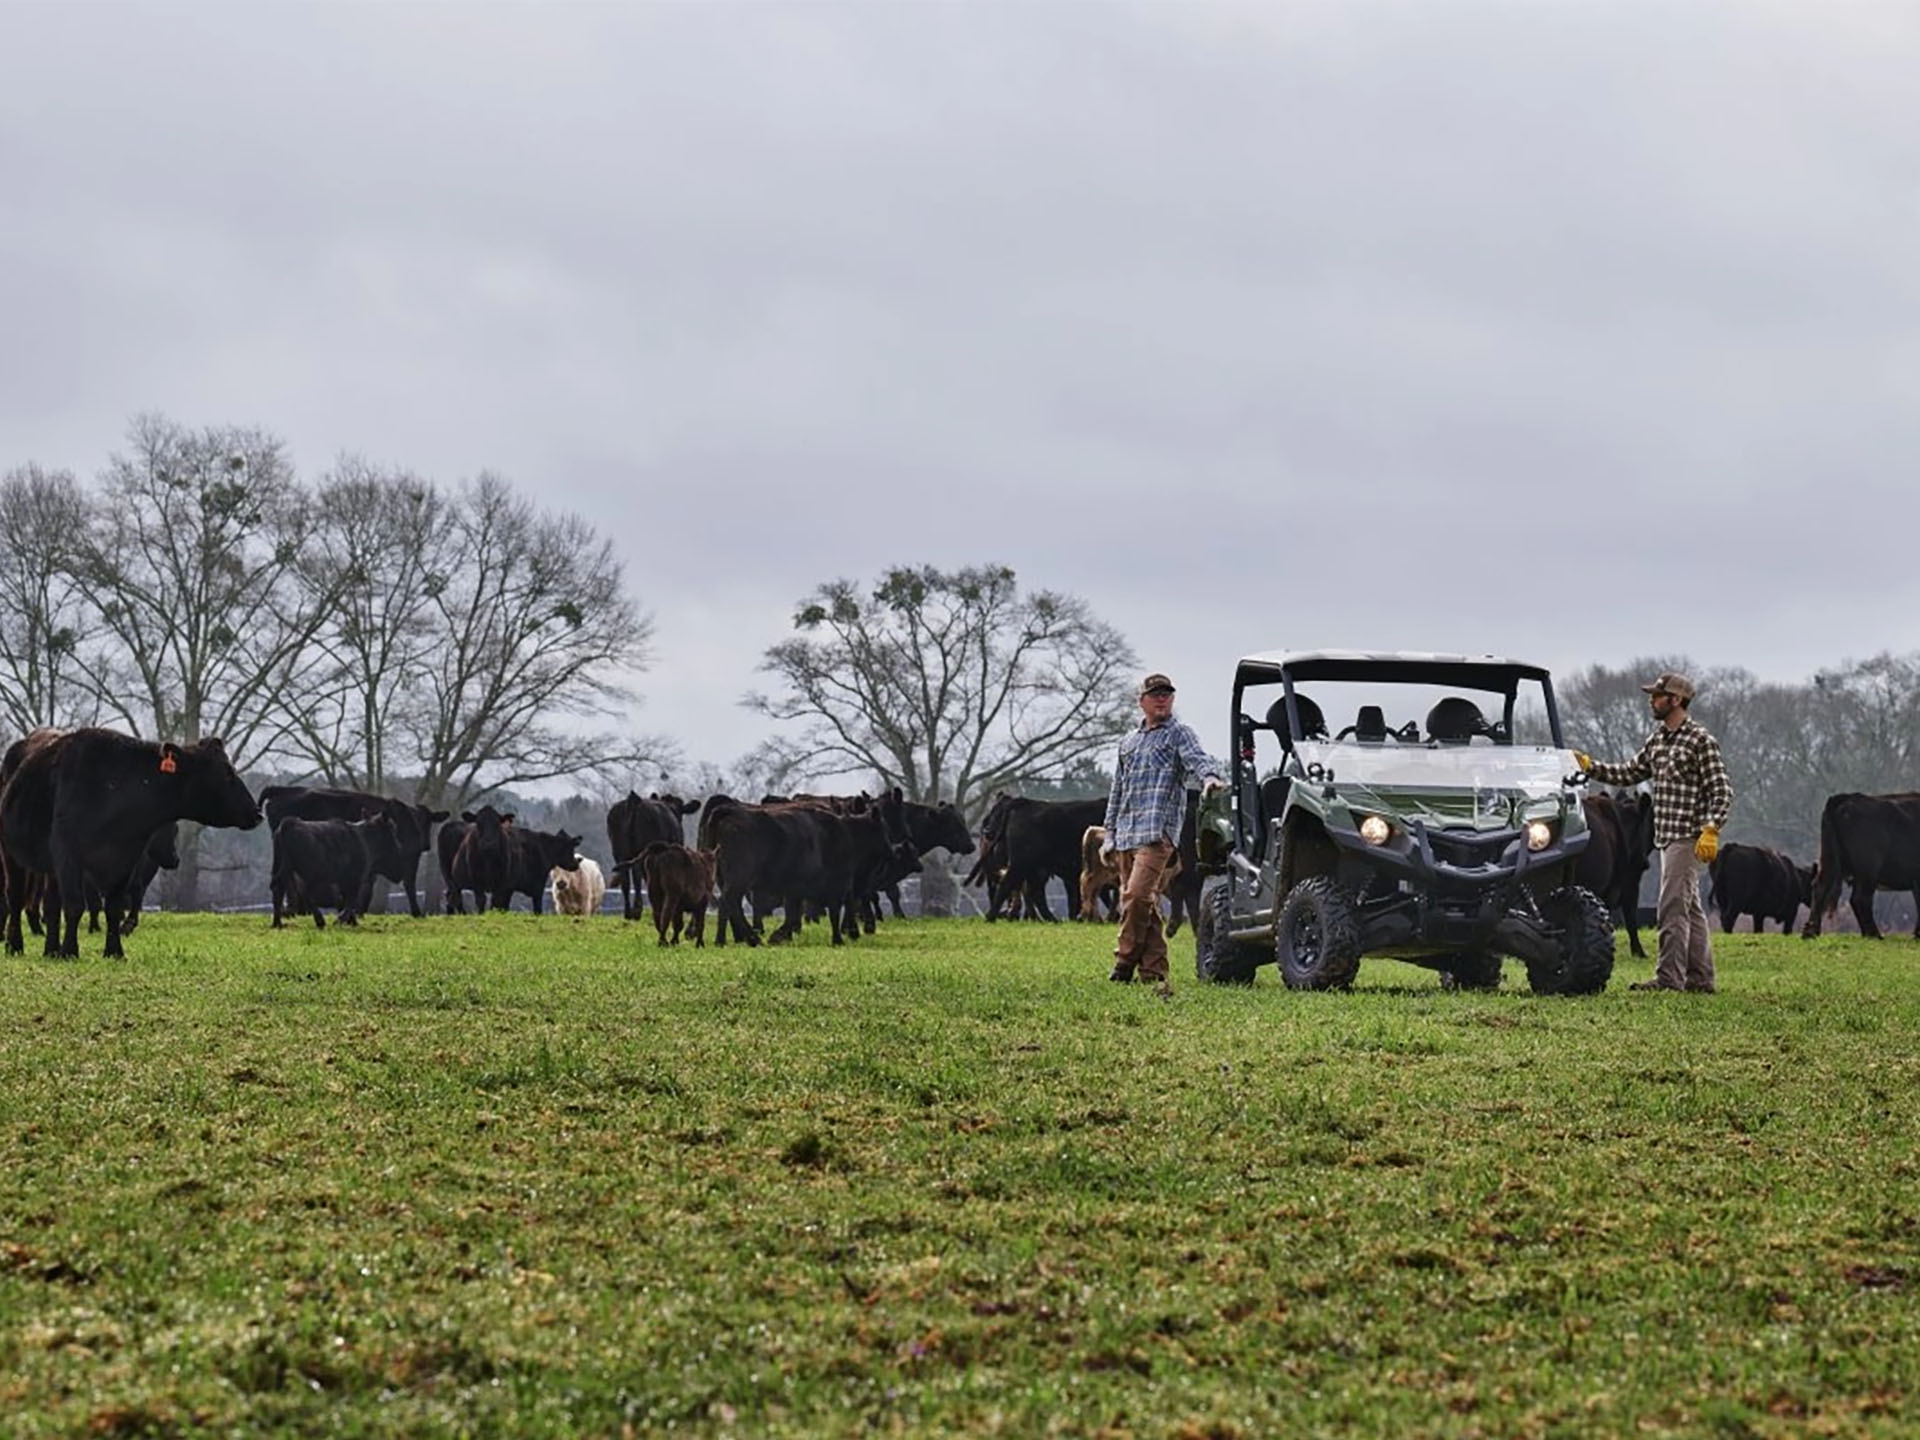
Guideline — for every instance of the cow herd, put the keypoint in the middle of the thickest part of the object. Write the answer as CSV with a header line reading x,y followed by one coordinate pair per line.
x,y
88,816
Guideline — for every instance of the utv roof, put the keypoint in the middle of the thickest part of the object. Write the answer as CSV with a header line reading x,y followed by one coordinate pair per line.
x,y
1472,672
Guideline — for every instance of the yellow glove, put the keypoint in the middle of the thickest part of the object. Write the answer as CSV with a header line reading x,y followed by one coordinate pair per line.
x,y
1708,845
1583,760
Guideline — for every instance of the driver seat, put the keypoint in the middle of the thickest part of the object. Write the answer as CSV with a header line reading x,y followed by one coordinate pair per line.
x,y
1370,725
1455,720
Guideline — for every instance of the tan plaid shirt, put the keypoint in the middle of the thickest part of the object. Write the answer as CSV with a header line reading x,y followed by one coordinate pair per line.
x,y
1690,786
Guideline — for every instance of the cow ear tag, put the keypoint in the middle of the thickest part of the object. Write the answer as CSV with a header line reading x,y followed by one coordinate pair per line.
x,y
167,763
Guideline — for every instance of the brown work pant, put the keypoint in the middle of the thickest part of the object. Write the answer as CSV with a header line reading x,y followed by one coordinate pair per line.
x,y
1686,949
1142,948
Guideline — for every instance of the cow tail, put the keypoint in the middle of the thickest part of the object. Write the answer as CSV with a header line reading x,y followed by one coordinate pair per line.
x,y
1833,863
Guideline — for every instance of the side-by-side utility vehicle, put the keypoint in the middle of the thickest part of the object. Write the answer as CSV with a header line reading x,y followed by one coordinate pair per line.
x,y
1439,822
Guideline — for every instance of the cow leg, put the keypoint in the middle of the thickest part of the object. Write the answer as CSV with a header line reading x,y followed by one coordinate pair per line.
x,y
1037,907
1729,917
413,898
700,923
1862,902
893,899
71,883
111,903
16,879
50,918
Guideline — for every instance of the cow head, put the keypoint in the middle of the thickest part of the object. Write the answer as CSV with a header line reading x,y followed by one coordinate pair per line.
x,y
675,803
1802,883
212,791
939,827
488,837
556,852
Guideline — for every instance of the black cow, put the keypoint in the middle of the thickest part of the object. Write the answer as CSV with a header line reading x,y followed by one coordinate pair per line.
x,y
1619,849
80,808
412,828
330,862
1036,841
473,856
1871,842
799,853
635,823
929,828
532,855
1752,880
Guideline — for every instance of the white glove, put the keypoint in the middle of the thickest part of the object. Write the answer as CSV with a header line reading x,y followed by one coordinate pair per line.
x,y
1211,784
1106,853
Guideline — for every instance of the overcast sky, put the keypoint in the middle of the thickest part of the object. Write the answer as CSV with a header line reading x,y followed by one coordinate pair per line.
x,y
1573,330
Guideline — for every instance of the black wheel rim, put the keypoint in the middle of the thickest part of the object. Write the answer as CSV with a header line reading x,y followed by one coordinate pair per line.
x,y
1303,937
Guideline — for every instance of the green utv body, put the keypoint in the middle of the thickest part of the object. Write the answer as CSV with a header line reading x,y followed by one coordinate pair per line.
x,y
1444,843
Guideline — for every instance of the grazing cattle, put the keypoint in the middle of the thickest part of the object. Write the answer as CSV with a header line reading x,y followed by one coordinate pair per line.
x,y
1752,880
412,829
473,857
1098,873
679,884
797,853
317,863
635,823
1871,842
1619,849
532,855
1036,841
80,808
579,891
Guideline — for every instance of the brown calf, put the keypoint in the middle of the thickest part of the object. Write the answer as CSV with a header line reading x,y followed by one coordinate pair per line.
x,y
679,886
1097,874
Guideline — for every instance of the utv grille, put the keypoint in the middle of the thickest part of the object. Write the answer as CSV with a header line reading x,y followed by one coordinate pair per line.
x,y
1469,847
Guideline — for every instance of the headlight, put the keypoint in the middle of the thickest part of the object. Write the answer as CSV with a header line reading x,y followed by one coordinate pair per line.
x,y
1375,831
1539,835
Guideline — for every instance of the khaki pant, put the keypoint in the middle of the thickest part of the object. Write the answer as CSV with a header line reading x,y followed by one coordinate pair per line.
x,y
1686,949
1143,935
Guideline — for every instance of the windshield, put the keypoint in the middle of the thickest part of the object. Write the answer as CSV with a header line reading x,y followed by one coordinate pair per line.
x,y
1531,770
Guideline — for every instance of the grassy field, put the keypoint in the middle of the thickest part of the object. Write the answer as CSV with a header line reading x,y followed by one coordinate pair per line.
x,y
535,1177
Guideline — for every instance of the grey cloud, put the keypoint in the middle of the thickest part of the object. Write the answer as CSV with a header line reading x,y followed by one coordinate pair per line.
x,y
1256,324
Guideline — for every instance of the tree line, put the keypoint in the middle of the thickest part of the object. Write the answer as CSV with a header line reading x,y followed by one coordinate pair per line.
x,y
370,628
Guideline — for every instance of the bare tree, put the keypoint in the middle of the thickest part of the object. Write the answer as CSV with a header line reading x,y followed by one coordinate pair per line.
x,y
194,557
47,626
530,627
381,545
949,684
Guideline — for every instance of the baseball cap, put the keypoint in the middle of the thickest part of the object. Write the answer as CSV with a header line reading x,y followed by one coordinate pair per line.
x,y
1678,686
1155,681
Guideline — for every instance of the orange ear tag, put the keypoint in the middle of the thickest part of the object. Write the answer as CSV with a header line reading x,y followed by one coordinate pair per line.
x,y
167,763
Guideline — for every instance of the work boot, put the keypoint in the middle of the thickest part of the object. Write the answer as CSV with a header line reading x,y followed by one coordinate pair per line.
x,y
1163,990
1650,985
1122,975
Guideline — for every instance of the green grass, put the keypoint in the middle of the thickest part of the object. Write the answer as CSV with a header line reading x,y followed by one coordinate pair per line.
x,y
524,1177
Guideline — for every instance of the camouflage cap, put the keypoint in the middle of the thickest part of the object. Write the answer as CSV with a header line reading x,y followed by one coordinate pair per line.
x,y
1678,686
1155,681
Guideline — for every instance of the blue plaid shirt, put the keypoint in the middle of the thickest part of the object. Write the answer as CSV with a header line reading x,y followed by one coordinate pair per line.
x,y
1148,797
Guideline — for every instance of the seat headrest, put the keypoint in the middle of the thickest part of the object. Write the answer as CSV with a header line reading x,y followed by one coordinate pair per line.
x,y
1370,723
1313,724
1455,720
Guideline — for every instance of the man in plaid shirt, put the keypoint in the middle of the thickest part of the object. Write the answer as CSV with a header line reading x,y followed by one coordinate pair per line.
x,y
1144,815
1691,797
